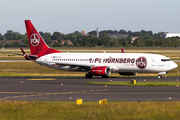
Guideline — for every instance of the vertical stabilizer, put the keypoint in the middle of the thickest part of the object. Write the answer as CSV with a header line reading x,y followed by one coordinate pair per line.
x,y
36,43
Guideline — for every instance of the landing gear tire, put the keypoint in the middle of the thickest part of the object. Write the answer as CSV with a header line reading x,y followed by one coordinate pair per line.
x,y
104,76
159,76
88,76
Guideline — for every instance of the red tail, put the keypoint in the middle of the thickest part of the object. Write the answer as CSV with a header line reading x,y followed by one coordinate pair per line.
x,y
36,42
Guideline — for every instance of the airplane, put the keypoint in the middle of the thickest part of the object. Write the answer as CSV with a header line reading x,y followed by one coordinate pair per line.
x,y
94,64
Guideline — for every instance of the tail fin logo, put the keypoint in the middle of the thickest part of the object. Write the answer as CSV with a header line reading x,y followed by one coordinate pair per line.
x,y
34,39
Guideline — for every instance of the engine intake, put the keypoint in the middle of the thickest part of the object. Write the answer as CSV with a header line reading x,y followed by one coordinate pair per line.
x,y
101,71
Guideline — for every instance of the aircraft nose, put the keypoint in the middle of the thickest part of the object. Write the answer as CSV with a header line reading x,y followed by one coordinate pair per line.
x,y
174,65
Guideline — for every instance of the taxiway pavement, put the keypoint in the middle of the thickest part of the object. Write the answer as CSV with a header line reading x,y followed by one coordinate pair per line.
x,y
72,88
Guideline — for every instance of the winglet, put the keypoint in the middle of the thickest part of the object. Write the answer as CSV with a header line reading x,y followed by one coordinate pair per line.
x,y
122,50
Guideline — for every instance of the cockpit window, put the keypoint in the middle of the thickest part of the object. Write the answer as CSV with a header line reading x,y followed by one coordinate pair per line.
x,y
164,60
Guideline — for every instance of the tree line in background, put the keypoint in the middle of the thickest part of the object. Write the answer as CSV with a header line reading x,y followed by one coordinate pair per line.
x,y
145,39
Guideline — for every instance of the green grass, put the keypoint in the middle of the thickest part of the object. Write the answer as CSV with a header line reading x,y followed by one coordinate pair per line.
x,y
61,110
153,83
32,69
12,58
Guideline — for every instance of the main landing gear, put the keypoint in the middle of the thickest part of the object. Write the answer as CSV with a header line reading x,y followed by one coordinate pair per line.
x,y
159,76
104,76
88,75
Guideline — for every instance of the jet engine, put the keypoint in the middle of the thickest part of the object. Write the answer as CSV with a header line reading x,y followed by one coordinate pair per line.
x,y
127,73
101,71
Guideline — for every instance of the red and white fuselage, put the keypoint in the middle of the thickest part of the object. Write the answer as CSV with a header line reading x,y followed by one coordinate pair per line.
x,y
101,64
118,62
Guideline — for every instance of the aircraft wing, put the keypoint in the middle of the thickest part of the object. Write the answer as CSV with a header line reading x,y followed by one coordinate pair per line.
x,y
76,65
79,66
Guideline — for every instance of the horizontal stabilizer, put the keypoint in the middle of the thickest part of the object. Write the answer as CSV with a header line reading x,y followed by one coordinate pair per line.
x,y
28,57
14,53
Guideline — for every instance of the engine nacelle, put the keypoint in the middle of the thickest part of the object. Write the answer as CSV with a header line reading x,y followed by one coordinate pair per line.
x,y
127,73
101,71
162,73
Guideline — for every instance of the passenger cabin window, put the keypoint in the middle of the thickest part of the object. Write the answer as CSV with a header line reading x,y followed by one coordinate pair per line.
x,y
164,60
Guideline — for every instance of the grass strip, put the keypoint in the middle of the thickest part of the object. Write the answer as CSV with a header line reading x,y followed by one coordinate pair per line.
x,y
153,83
12,58
41,75
67,110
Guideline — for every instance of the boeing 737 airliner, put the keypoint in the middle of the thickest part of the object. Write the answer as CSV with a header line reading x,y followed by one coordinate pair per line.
x,y
97,64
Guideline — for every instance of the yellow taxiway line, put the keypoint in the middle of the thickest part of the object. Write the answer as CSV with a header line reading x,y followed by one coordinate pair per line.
x,y
42,79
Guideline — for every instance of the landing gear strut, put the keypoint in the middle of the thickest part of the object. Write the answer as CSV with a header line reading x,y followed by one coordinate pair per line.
x,y
161,73
88,75
159,76
104,76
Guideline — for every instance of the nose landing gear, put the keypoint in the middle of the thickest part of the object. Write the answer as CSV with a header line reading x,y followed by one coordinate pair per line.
x,y
161,73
